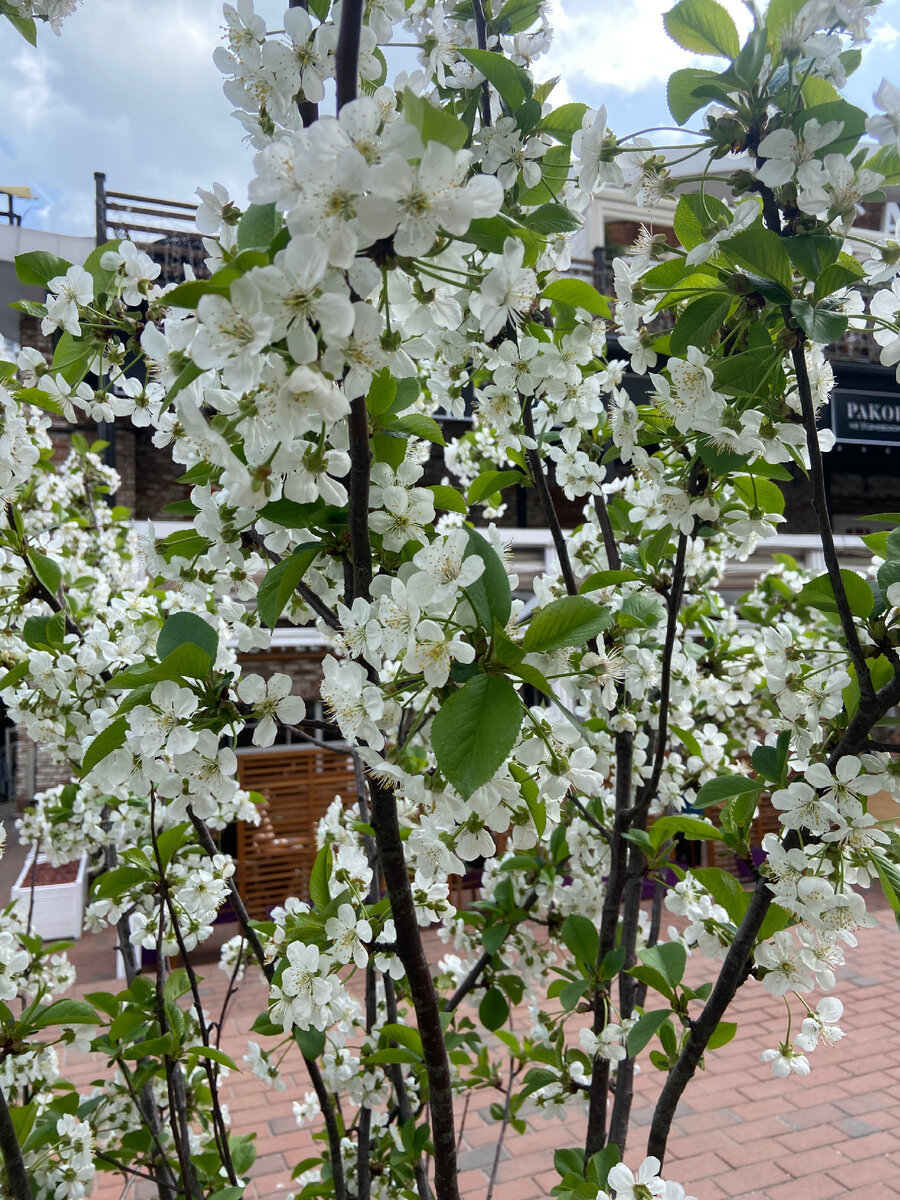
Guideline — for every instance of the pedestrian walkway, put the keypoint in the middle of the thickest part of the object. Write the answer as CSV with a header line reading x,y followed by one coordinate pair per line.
x,y
741,1133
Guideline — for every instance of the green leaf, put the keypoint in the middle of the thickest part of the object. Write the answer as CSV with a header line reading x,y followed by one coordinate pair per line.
x,y
723,787
812,253
759,493
27,27
722,1035
65,1012
699,321
761,251
564,121
493,1009
419,425
668,958
512,83
281,582
704,27
19,672
44,633
725,890
579,294
552,218
571,621
680,92
311,1043
319,892
474,731
46,570
212,1052
695,215
448,498
644,1029
581,937
187,375
382,392
488,483
819,594
434,124
118,881
36,268
604,579
109,739
101,276
489,595
820,324
690,827
184,627
72,357
641,609
258,227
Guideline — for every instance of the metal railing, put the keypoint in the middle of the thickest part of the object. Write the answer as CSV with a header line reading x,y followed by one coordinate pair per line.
x,y
164,229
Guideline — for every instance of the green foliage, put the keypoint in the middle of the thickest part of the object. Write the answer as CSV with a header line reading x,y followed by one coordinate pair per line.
x,y
704,27
281,582
474,731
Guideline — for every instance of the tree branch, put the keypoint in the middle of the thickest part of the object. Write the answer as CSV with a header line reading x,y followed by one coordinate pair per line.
x,y
546,501
20,1187
820,508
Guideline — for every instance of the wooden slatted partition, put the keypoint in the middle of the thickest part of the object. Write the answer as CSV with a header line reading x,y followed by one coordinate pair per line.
x,y
298,783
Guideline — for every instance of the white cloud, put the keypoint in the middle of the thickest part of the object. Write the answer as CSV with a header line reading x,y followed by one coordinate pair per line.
x,y
622,45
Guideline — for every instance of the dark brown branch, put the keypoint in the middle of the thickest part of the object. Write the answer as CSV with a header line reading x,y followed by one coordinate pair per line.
x,y
315,1075
731,976
481,36
428,1016
613,557
346,56
309,112
20,1187
358,508
820,508
219,1130
595,1138
546,501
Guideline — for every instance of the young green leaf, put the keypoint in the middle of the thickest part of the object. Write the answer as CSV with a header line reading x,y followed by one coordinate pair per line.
x,y
281,582
474,731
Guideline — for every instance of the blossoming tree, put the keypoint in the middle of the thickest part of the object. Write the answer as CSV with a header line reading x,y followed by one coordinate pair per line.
x,y
404,253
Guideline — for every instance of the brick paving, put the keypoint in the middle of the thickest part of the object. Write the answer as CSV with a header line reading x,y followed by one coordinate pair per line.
x,y
740,1133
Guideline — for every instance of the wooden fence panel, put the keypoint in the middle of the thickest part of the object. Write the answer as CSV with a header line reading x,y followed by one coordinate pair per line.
x,y
274,859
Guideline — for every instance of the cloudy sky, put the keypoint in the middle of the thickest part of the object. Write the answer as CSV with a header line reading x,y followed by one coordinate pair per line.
x,y
130,89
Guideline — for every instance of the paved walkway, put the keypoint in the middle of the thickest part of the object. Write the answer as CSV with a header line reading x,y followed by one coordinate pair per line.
x,y
741,1134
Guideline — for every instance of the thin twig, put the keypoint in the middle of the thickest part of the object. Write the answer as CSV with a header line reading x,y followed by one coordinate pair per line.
x,y
546,501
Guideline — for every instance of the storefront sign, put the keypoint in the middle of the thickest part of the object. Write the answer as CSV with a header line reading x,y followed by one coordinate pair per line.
x,y
866,418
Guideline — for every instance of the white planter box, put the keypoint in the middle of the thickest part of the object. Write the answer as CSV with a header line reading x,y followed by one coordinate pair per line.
x,y
58,907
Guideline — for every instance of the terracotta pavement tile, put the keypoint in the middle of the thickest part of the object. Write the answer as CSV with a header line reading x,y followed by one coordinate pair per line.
x,y
715,1141
814,1187
763,1128
814,1162
756,1175
818,1093
720,1118
808,1139
857,1106
882,1142
756,1149
859,1174
472,1184
697,1167
806,1118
